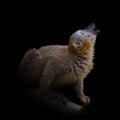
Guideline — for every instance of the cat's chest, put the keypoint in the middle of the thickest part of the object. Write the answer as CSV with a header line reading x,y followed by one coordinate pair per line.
x,y
68,78
73,77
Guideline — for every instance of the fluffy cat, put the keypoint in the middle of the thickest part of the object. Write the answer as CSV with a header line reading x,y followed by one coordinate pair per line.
x,y
50,67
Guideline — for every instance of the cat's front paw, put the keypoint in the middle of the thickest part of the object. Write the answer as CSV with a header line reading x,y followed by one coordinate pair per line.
x,y
85,100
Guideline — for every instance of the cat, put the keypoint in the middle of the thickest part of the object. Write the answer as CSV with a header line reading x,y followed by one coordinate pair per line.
x,y
52,66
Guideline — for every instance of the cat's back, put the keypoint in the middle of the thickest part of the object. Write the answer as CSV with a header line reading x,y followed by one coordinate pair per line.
x,y
52,50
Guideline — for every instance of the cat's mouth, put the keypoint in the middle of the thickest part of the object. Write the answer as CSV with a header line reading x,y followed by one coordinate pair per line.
x,y
92,29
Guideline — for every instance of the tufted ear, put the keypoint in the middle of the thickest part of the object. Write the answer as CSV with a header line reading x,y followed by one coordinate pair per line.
x,y
96,32
91,28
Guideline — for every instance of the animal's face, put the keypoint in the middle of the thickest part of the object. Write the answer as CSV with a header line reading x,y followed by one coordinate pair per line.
x,y
86,36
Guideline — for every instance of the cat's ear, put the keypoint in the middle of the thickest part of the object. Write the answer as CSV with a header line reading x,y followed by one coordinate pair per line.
x,y
97,31
77,44
91,28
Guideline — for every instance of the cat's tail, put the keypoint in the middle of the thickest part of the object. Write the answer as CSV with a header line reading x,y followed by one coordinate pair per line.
x,y
29,68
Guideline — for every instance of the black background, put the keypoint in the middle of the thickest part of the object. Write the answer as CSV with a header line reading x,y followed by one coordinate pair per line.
x,y
30,26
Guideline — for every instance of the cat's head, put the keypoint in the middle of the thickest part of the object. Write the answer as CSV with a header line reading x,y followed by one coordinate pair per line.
x,y
85,36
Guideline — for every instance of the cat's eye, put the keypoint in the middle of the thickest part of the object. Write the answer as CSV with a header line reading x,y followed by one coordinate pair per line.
x,y
83,32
